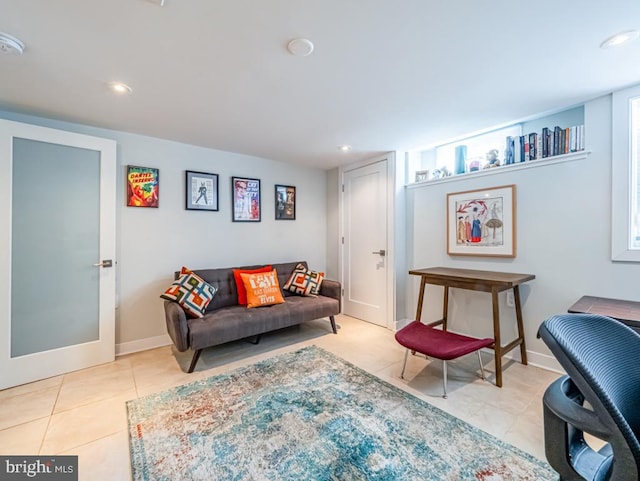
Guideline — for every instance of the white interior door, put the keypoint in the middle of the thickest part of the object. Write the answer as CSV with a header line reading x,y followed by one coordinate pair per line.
x,y
365,261
57,239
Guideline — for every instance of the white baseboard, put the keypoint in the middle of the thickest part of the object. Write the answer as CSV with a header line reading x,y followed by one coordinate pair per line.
x,y
400,323
142,344
544,361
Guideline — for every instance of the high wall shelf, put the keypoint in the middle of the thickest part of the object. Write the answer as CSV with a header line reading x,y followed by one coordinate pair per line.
x,y
504,169
546,133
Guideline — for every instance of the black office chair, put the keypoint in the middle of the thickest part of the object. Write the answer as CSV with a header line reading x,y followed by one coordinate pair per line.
x,y
600,396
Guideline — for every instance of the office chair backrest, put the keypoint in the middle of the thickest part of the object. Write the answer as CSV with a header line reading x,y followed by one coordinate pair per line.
x,y
602,358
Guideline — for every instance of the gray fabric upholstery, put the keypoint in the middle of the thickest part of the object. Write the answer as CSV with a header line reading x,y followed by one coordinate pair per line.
x,y
226,321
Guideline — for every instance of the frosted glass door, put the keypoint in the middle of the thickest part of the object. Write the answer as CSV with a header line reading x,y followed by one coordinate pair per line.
x,y
55,242
57,226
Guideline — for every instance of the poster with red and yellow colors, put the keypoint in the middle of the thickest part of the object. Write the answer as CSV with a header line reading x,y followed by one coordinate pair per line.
x,y
142,186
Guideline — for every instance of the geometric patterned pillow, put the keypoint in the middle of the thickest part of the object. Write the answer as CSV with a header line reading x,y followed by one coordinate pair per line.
x,y
304,281
192,293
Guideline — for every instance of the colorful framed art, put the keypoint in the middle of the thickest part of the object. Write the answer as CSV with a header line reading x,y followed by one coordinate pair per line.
x,y
482,222
245,199
285,197
143,186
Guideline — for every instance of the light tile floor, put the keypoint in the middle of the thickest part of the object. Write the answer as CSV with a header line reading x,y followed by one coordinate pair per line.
x,y
83,413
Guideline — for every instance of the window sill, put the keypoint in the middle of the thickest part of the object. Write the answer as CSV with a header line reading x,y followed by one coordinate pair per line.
x,y
503,169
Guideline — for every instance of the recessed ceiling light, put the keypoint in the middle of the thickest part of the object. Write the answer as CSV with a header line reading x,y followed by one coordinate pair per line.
x,y
345,148
120,88
300,47
10,44
620,39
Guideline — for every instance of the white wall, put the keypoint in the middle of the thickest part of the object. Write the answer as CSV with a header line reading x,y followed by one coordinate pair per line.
x,y
563,236
153,243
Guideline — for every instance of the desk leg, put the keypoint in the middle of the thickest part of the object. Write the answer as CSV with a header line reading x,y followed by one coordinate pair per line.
x,y
523,348
445,308
420,298
497,345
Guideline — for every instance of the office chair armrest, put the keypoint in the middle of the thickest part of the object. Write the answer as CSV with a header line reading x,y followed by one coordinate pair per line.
x,y
565,401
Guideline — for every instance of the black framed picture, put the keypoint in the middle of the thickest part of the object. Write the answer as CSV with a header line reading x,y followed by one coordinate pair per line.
x,y
285,202
143,186
245,199
201,191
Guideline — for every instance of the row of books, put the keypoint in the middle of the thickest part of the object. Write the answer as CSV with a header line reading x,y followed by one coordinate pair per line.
x,y
548,143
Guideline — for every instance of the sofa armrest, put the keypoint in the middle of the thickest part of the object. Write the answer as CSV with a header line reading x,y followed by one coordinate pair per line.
x,y
177,325
331,289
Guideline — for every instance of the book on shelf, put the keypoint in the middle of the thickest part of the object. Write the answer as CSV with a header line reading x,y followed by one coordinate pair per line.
x,y
548,143
509,152
533,146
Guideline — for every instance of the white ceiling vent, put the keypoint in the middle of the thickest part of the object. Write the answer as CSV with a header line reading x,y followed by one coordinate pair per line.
x,y
10,44
300,47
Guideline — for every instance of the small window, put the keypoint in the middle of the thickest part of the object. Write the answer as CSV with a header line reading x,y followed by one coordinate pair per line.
x,y
441,161
478,151
635,174
626,176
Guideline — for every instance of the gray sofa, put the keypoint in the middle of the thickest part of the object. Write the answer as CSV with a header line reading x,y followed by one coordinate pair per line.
x,y
226,321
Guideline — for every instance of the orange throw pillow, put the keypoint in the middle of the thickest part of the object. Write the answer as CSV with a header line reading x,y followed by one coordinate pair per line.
x,y
242,292
262,289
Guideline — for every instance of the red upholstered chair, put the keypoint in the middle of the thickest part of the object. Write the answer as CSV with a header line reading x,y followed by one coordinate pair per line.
x,y
440,344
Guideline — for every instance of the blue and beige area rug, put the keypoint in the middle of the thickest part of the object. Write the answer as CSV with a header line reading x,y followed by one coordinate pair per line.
x,y
311,416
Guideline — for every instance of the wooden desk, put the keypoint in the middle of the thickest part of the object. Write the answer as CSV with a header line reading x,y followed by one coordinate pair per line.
x,y
485,281
627,312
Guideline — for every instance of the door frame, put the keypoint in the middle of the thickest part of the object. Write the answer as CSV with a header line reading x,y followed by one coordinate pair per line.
x,y
31,367
390,290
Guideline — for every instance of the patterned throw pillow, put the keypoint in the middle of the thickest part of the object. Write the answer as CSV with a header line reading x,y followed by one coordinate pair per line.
x,y
262,289
304,281
191,292
242,292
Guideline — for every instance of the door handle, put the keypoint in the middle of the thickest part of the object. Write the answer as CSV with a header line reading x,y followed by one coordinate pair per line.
x,y
104,263
381,252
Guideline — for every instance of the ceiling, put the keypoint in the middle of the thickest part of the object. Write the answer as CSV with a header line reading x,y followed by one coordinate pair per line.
x,y
385,75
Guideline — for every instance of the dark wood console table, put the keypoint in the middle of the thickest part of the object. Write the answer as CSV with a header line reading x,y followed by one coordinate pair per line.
x,y
627,312
485,281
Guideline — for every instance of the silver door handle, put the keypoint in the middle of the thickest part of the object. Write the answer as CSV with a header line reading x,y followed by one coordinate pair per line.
x,y
104,263
381,252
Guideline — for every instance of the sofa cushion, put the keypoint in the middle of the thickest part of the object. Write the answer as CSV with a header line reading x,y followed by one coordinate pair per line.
x,y
242,291
224,280
191,292
262,289
304,281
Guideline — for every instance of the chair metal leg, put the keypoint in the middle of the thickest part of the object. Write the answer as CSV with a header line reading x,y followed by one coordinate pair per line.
x,y
444,378
406,355
481,366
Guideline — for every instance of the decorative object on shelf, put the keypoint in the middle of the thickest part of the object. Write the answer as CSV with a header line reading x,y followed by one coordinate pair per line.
x,y
422,175
441,172
245,197
285,202
482,222
474,165
201,191
492,158
143,186
461,159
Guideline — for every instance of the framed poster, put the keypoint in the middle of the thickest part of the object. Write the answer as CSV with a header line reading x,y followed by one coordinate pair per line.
x,y
482,222
285,202
245,199
201,191
143,186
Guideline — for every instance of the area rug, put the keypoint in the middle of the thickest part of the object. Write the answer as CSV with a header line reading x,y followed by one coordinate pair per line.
x,y
311,416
